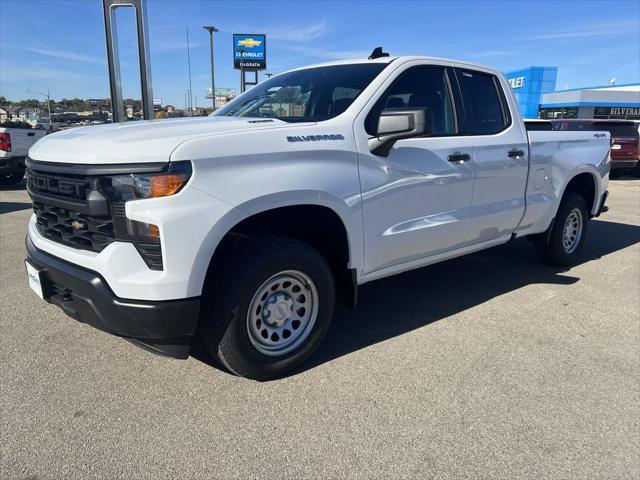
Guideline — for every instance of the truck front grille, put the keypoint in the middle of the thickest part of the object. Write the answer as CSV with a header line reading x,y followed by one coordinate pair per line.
x,y
72,228
72,210
72,187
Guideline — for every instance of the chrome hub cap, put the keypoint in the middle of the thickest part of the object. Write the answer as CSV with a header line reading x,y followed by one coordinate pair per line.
x,y
282,313
572,231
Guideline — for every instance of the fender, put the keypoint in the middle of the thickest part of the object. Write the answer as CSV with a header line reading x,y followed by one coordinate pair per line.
x,y
350,215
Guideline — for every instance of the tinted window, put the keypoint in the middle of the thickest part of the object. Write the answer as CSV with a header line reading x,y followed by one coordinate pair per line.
x,y
421,87
483,106
308,95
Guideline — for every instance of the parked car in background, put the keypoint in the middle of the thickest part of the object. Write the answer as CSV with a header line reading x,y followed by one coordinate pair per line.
x,y
15,142
625,138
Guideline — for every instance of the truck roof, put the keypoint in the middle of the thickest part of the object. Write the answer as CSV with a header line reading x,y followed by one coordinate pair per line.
x,y
402,58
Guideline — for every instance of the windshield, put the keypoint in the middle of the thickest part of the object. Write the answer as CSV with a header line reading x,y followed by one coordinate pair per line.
x,y
309,95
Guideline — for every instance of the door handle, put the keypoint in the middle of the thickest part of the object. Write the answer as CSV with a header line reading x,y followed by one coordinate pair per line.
x,y
459,157
515,154
31,134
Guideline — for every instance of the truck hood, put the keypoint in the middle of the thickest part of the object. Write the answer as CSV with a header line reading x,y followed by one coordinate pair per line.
x,y
138,142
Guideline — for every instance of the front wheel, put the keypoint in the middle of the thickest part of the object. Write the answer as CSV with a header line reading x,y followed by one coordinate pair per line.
x,y
267,307
563,244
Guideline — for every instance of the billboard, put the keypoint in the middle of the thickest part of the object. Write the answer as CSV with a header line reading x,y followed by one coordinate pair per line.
x,y
249,51
222,92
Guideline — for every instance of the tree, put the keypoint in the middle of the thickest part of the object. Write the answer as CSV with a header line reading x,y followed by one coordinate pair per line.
x,y
18,124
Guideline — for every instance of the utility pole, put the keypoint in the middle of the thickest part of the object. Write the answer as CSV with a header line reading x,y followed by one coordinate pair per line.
x,y
48,103
242,86
189,66
212,29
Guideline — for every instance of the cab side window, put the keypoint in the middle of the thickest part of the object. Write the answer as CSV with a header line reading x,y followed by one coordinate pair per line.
x,y
418,87
485,110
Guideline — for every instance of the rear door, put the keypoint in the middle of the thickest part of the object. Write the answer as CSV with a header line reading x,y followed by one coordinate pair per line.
x,y
500,155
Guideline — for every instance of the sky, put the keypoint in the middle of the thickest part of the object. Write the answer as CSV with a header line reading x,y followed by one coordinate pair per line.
x,y
59,45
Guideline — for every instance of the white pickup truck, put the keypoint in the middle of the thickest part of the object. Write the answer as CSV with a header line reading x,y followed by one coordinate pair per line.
x,y
14,146
244,228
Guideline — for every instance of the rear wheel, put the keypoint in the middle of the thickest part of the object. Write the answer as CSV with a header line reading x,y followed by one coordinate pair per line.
x,y
563,244
267,307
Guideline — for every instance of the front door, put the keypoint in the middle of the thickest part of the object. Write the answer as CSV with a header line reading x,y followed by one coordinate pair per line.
x,y
416,201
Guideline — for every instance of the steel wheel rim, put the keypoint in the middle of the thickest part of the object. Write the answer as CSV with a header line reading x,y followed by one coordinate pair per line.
x,y
572,232
282,313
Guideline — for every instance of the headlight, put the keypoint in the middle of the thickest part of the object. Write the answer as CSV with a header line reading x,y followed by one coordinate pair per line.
x,y
137,186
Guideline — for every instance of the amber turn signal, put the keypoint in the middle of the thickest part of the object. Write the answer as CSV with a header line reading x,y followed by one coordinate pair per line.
x,y
167,184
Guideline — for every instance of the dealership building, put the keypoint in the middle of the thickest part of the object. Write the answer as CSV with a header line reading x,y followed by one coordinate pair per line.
x,y
535,90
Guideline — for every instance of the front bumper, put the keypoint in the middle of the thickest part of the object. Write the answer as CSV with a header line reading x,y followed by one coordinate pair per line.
x,y
165,327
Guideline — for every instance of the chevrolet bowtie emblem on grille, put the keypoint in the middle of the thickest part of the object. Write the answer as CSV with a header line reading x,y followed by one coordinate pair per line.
x,y
78,225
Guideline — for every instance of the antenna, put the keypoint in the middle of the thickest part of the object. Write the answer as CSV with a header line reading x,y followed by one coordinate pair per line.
x,y
377,53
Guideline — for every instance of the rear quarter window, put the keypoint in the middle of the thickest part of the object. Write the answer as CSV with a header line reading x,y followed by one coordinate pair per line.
x,y
485,107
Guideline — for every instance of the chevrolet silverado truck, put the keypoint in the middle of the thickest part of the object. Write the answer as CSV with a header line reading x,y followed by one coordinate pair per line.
x,y
243,229
14,145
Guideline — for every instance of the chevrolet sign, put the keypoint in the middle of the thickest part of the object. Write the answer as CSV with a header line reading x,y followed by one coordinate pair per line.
x,y
249,51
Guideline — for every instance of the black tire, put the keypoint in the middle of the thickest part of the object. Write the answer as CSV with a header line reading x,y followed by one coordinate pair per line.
x,y
550,245
229,293
12,178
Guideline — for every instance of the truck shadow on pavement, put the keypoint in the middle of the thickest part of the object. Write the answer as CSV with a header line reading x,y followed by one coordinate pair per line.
x,y
402,303
8,207
14,188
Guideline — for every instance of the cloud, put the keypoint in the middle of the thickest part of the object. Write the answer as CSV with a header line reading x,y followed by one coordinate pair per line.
x,y
173,45
23,74
565,31
492,53
66,54
290,32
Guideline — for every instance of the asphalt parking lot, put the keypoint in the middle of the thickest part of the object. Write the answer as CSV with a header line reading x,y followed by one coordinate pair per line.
x,y
488,366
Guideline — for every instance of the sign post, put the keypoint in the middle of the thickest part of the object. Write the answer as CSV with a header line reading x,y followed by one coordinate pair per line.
x,y
249,55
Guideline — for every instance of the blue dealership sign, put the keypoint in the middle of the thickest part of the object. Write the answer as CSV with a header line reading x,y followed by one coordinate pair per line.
x,y
249,51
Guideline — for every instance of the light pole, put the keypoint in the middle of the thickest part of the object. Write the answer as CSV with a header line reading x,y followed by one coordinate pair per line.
x,y
211,29
48,103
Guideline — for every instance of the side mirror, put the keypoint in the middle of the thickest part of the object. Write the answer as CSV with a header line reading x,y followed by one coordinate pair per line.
x,y
397,123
